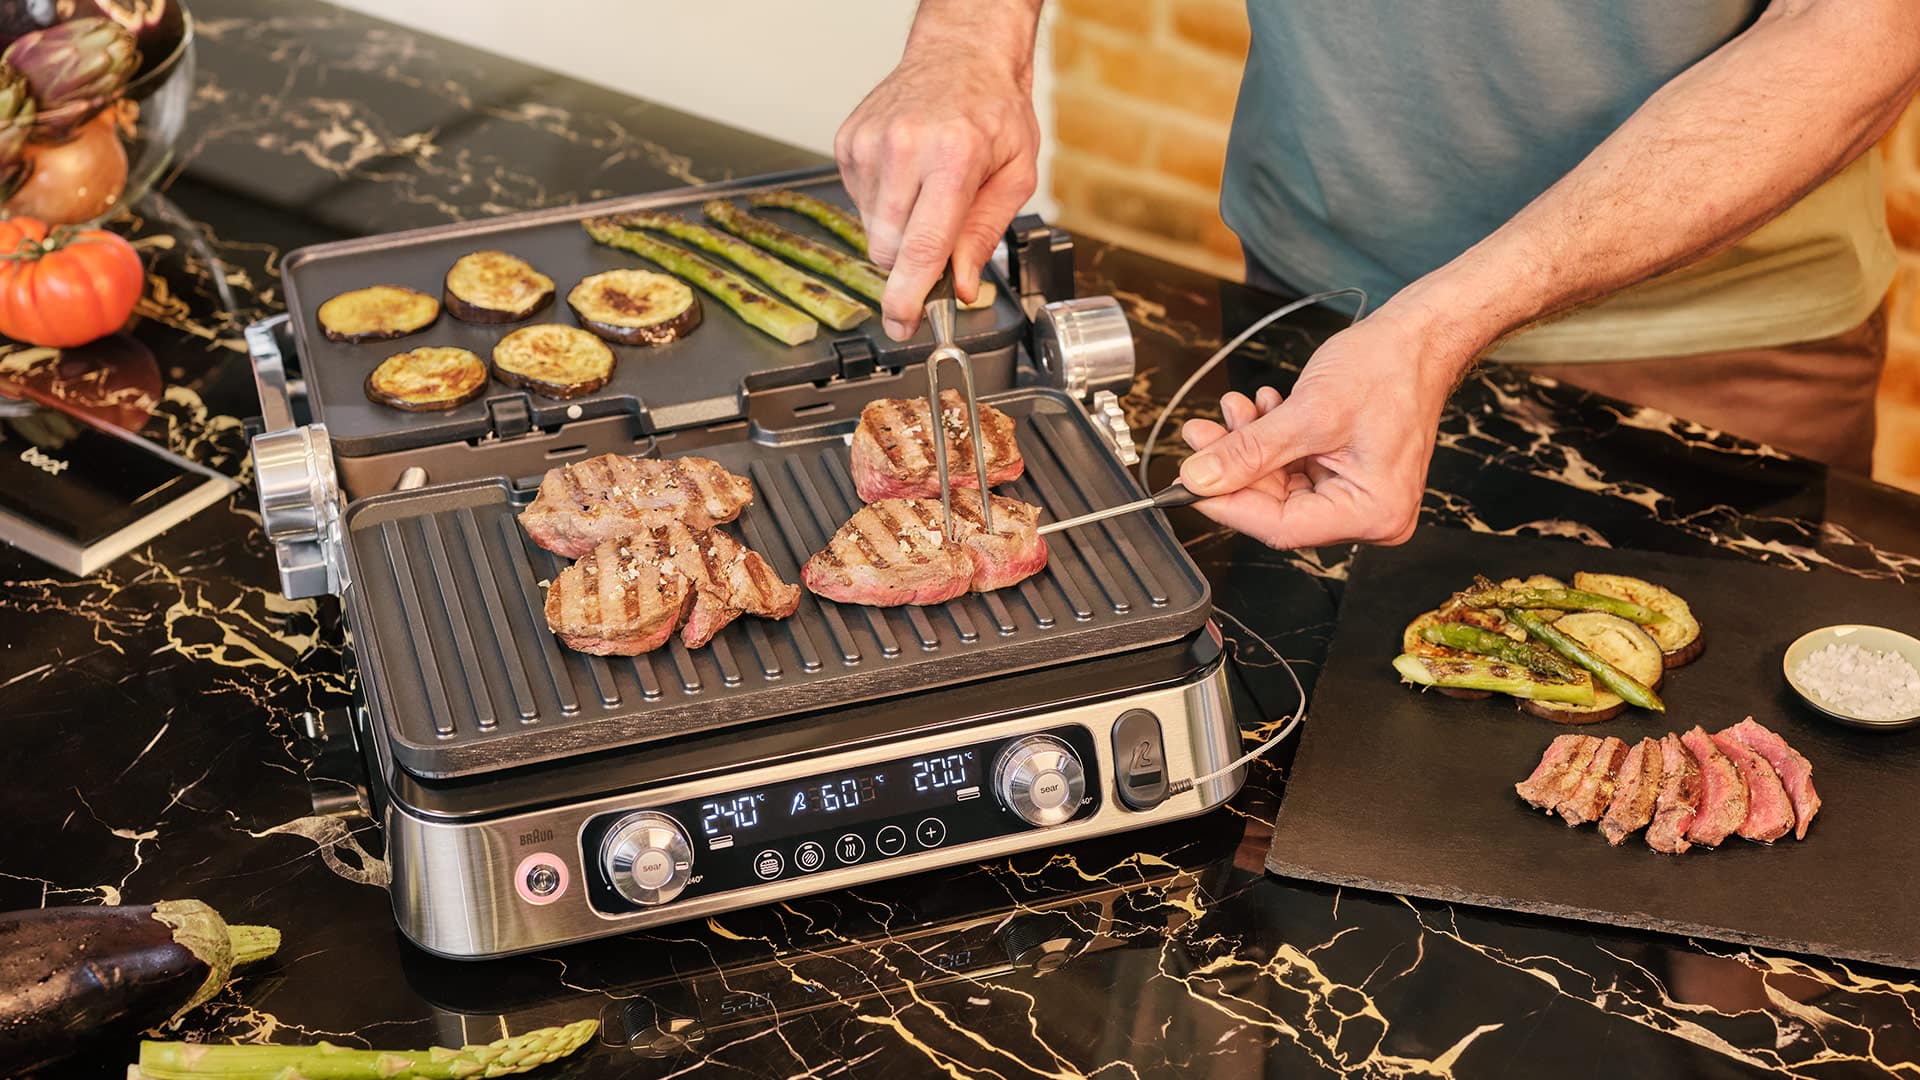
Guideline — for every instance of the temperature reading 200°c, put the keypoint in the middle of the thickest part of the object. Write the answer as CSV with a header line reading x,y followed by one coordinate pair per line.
x,y
942,772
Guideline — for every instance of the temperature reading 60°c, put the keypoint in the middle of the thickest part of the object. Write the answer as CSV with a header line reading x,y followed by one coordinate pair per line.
x,y
942,772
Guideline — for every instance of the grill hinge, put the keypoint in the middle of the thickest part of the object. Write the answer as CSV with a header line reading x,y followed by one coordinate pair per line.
x,y
509,417
1039,263
856,355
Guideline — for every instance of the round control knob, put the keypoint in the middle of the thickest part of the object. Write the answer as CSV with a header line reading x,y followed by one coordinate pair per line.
x,y
647,857
1085,345
1040,778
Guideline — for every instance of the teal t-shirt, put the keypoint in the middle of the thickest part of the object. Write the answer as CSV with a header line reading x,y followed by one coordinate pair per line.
x,y
1374,140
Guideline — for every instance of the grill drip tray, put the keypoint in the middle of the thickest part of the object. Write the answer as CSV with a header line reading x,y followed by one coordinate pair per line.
x,y
461,668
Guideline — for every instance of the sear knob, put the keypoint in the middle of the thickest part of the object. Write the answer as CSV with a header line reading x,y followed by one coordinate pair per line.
x,y
647,857
1040,778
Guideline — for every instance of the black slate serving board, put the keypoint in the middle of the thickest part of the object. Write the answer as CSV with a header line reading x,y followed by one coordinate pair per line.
x,y
1409,792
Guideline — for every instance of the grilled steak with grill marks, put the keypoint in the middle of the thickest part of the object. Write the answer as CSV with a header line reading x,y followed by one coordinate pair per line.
x,y
895,551
618,600
592,501
1634,792
893,451
728,577
1595,789
1679,800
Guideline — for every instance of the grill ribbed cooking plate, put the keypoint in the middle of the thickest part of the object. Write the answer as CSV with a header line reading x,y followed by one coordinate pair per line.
x,y
453,644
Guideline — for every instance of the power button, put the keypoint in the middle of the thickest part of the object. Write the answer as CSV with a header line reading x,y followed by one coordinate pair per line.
x,y
1139,760
540,878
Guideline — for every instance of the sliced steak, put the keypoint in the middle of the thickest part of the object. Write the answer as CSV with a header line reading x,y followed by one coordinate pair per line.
x,y
588,502
1795,772
1769,814
728,577
1679,800
1723,794
618,601
1541,788
893,450
895,552
1595,788
1634,792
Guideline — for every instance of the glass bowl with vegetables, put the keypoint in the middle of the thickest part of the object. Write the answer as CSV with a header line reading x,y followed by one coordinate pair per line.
x,y
93,97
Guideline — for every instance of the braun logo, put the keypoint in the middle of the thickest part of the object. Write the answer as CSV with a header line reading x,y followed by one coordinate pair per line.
x,y
537,836
32,456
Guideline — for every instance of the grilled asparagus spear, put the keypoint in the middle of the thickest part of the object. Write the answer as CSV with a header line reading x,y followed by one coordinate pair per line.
x,y
1630,689
502,1057
1495,675
1500,647
810,294
825,214
761,310
1488,595
855,273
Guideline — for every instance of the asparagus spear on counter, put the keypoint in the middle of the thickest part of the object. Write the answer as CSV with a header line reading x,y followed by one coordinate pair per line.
x,y
825,214
1491,596
810,294
857,274
503,1057
747,300
1501,647
1462,673
1630,689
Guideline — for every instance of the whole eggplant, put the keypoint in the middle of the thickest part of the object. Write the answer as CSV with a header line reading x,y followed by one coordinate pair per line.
x,y
72,975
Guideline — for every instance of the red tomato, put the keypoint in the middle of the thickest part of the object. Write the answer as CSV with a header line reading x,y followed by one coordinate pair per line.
x,y
65,288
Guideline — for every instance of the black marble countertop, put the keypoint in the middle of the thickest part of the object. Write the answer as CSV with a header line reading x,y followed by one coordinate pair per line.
x,y
155,713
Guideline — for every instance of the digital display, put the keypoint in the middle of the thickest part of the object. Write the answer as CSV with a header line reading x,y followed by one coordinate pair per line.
x,y
819,802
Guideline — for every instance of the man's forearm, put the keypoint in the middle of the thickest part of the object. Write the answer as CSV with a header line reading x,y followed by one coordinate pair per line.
x,y
1721,149
992,28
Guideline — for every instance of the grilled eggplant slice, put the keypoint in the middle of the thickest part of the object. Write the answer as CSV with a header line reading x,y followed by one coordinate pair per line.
x,y
553,360
1678,636
1619,642
377,313
635,307
495,287
427,378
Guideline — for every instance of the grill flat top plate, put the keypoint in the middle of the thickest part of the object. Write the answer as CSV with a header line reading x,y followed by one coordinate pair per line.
x,y
453,645
702,379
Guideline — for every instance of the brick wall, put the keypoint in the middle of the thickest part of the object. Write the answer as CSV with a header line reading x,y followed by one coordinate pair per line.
x,y
1143,93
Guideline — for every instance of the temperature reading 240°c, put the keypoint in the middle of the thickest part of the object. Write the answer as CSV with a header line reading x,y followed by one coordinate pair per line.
x,y
941,772
735,813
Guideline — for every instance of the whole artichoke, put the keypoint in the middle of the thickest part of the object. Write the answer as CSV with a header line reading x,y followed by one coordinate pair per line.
x,y
16,124
75,69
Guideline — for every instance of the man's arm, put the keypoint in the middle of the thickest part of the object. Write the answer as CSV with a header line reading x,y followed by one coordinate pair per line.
x,y
942,154
1721,149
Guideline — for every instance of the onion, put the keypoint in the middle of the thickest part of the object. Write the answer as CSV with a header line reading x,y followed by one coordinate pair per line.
x,y
77,180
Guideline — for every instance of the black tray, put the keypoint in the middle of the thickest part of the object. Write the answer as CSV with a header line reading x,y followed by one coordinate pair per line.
x,y
459,663
1412,793
700,380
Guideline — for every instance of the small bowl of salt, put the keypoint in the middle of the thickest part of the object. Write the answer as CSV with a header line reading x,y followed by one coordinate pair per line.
x,y
1862,676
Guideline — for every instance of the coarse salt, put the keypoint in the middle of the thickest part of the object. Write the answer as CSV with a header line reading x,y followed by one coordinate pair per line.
x,y
1866,683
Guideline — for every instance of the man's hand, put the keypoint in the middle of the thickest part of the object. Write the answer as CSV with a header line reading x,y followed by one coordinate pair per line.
x,y
1344,458
941,155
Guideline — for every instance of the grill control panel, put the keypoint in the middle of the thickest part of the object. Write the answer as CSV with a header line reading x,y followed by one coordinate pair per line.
x,y
817,823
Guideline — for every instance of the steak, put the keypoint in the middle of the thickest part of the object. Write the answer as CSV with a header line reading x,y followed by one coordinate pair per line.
x,y
1541,789
893,451
895,551
1679,800
1595,788
618,601
1723,794
1634,793
1795,772
589,502
728,577
1769,814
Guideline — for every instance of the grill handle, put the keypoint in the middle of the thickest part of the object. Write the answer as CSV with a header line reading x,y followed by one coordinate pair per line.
x,y
294,476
